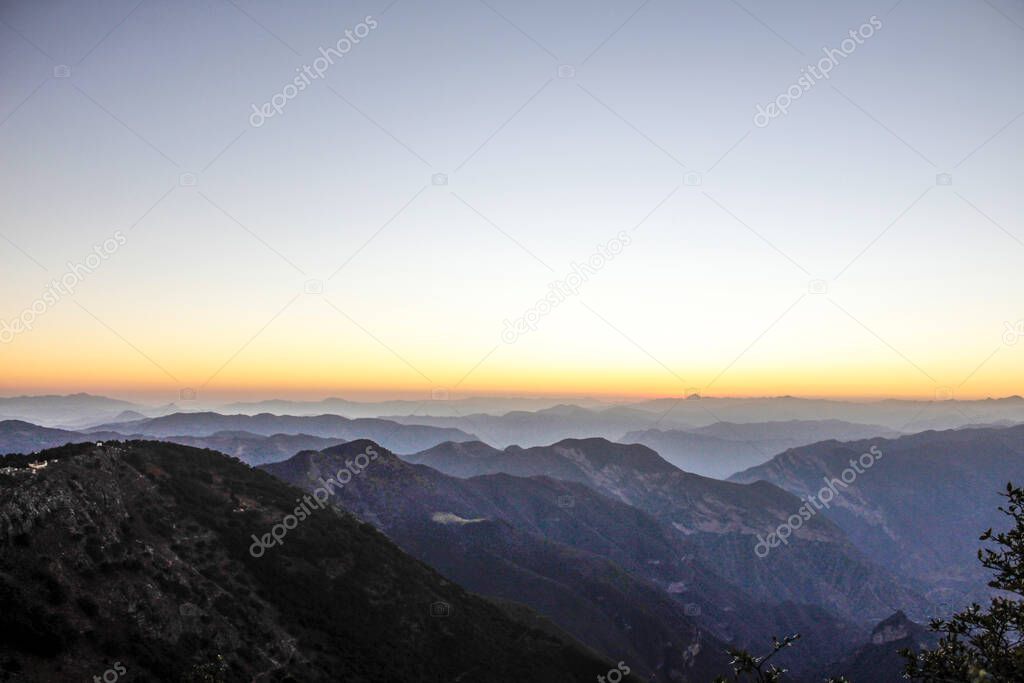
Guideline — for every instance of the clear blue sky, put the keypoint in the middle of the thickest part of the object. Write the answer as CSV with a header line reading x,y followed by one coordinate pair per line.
x,y
713,292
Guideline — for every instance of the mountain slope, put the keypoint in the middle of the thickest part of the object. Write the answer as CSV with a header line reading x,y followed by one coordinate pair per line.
x,y
139,553
921,506
459,527
519,539
721,522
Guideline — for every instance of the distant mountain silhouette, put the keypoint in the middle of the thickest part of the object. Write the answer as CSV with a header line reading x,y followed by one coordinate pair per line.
x,y
128,416
724,448
22,437
902,415
492,405
74,410
400,438
684,412
17,436
541,427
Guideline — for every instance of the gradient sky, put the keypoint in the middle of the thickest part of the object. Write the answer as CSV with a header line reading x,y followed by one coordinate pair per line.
x,y
713,294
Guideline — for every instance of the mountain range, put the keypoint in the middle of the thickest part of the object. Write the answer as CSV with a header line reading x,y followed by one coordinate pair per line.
x,y
22,437
402,438
904,415
718,521
919,509
593,551
514,539
137,556
610,574
439,406
72,411
78,411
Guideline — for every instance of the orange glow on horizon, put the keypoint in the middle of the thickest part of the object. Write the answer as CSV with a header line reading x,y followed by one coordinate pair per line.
x,y
613,387
280,364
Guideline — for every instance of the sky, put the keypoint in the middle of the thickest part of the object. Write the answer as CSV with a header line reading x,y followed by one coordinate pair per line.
x,y
393,229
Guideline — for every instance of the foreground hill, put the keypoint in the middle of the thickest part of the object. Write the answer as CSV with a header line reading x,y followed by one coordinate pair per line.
x,y
398,437
920,507
140,555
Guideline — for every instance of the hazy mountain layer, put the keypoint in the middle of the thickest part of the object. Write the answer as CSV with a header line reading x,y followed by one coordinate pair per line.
x,y
542,427
400,438
724,448
901,415
17,436
492,405
71,410
21,437
920,507
254,449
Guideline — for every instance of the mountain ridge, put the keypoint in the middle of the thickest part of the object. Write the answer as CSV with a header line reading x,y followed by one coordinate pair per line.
x,y
719,521
154,570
